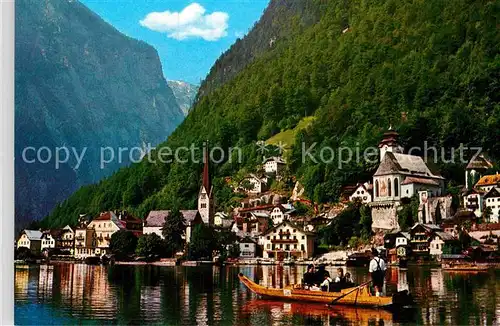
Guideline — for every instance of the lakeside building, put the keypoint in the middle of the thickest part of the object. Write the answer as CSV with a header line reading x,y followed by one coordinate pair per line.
x,y
93,238
287,240
49,239
31,239
248,248
399,175
156,219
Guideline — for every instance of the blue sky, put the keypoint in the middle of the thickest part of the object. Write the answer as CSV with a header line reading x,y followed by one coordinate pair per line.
x,y
188,35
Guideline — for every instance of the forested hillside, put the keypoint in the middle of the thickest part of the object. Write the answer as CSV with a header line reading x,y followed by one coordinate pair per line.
x,y
430,68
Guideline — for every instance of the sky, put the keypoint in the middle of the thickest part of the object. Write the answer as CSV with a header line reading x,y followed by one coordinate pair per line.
x,y
188,35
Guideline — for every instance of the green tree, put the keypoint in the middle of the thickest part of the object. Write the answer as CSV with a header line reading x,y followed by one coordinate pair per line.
x,y
246,185
408,213
486,215
203,242
123,244
173,231
150,244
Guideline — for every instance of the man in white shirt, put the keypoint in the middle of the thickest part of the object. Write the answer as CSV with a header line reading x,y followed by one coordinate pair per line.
x,y
377,270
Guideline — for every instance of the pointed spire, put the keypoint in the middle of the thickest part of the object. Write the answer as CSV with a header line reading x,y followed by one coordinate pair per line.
x,y
206,173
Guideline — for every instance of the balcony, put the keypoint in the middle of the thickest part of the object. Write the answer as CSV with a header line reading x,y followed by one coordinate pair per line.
x,y
80,237
284,233
284,241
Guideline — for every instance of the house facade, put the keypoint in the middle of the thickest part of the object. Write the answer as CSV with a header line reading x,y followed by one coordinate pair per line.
x,y
85,242
363,193
440,243
31,239
491,201
67,239
274,165
421,235
259,185
248,248
287,240
49,240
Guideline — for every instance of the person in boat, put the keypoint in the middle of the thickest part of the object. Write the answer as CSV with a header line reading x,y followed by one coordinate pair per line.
x,y
340,276
377,270
319,275
309,278
348,280
325,285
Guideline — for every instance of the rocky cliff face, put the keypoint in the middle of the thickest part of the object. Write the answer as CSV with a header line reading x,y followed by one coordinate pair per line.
x,y
185,94
80,84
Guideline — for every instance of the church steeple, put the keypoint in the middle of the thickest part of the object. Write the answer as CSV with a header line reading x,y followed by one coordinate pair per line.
x,y
390,143
206,171
206,205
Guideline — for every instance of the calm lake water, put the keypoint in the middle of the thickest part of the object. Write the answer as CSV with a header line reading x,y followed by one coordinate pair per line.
x,y
82,294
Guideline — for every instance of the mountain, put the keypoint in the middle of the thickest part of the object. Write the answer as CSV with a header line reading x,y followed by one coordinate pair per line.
x,y
184,93
429,68
81,84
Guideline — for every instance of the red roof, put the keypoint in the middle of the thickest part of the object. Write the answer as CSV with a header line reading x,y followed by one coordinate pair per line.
x,y
256,208
424,181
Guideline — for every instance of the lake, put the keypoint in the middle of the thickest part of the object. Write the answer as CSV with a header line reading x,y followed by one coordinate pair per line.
x,y
83,294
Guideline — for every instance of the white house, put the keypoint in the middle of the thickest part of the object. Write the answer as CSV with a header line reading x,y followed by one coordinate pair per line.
x,y
48,241
492,201
287,240
274,165
281,213
156,219
219,217
488,182
259,185
473,201
85,242
363,193
402,239
248,248
439,240
31,239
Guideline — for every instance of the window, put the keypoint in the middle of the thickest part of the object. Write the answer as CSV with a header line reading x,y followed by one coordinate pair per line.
x,y
268,237
287,247
376,188
389,187
302,247
396,187
247,246
268,246
294,230
303,237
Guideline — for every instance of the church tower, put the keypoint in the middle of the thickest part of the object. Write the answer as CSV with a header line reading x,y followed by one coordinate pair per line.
x,y
206,205
390,143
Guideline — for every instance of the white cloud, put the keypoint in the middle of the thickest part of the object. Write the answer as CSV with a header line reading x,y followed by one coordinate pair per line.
x,y
191,22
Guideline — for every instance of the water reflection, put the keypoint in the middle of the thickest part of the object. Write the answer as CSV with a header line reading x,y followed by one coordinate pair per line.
x,y
69,293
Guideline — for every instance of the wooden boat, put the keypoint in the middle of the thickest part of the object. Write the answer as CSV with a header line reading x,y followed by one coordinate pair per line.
x,y
464,267
355,296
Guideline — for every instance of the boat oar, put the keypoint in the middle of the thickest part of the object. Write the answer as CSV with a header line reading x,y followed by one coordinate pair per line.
x,y
346,294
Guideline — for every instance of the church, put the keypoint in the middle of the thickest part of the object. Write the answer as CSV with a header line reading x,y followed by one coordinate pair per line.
x,y
206,205
399,175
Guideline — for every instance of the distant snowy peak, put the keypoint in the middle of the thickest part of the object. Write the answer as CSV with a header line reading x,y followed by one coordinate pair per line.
x,y
184,93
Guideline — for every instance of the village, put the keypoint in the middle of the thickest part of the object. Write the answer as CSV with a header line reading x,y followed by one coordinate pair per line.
x,y
273,228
